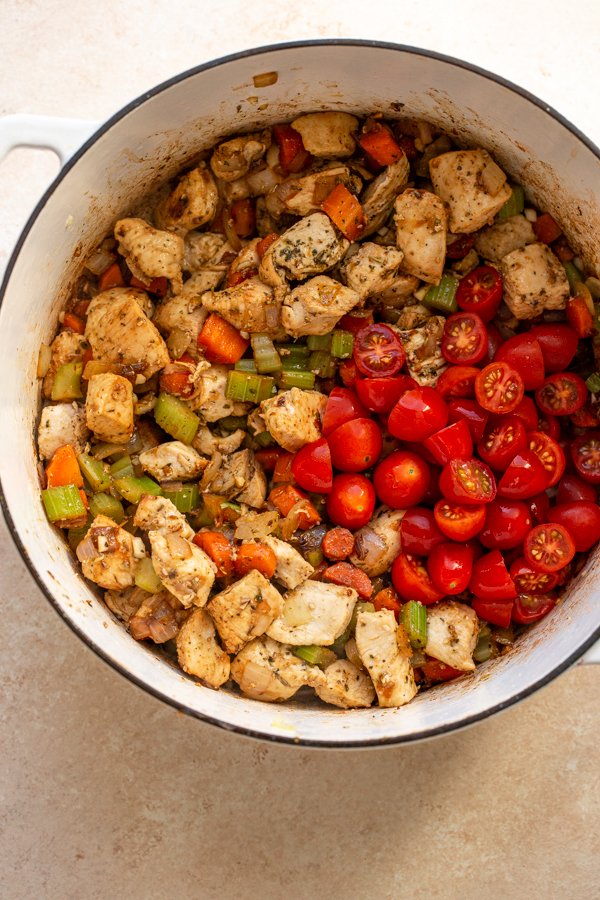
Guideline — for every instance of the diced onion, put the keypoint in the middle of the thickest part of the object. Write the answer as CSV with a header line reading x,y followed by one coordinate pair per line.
x,y
262,181
44,360
178,342
99,262
86,550
256,525
178,546
211,470
369,547
530,214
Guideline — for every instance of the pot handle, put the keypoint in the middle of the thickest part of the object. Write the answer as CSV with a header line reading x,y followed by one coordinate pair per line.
x,y
61,135
592,655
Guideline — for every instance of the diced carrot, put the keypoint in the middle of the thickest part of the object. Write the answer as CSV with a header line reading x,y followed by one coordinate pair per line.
x,y
221,341
265,243
579,317
407,143
380,145
433,670
243,217
87,357
293,155
546,228
561,248
285,496
347,372
81,308
111,278
158,286
219,549
282,473
387,599
345,212
255,556
238,277
267,457
338,544
175,379
64,469
349,576
71,322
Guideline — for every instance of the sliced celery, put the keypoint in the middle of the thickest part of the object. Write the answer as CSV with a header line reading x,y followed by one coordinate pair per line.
x,y
67,382
94,471
63,504
186,498
146,578
361,606
290,351
245,365
266,357
305,380
483,650
232,423
342,344
314,557
176,418
316,656
574,276
442,296
132,488
515,203
593,383
122,468
414,619
340,643
322,364
107,505
247,387
319,341
76,535
264,439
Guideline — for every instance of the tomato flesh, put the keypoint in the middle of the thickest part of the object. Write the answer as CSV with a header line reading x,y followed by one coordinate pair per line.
x,y
467,481
401,479
378,351
585,453
411,580
524,477
450,566
582,521
457,381
452,442
549,547
529,608
529,580
528,413
506,524
418,414
458,522
311,467
380,394
342,406
499,388
524,353
480,292
562,394
503,439
549,454
419,532
356,445
465,339
491,580
572,488
351,501
497,612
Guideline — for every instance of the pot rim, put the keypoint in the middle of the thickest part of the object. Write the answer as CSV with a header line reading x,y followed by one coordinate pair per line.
x,y
38,578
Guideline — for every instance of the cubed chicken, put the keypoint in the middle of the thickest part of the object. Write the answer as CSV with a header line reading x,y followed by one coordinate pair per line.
x,y
245,610
246,262
421,225
266,670
242,477
183,313
292,569
158,618
198,651
206,251
452,630
346,686
400,293
503,237
294,417
63,423
191,204
371,269
67,347
208,443
534,280
150,253
315,306
378,199
386,656
412,316
250,306
327,133
377,545
124,604
309,247
303,194
160,514
184,569
108,555
232,159
173,461
109,408
120,332
314,613
424,359
209,398
472,185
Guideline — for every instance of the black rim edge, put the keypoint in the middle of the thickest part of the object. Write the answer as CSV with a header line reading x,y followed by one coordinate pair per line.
x,y
117,667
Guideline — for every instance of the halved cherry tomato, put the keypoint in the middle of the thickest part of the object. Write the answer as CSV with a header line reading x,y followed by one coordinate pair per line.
x,y
562,394
351,501
549,425
558,344
338,544
525,477
450,566
572,488
480,292
579,317
490,579
527,411
355,323
539,507
342,406
411,580
452,442
467,481
524,353
458,522
529,580
549,547
506,524
346,574
380,394
499,388
587,416
531,607
498,612
473,414
465,339
311,467
457,381
419,532
401,479
418,414
356,445
387,599
494,341
582,521
433,671
546,228
549,454
503,439
585,452
459,247
378,351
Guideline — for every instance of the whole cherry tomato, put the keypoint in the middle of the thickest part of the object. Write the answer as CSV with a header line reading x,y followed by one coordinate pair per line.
x,y
585,452
356,445
411,580
529,580
480,292
498,612
378,351
419,532
499,388
572,487
549,454
311,467
434,671
558,344
474,415
506,524
401,479
529,608
562,394
351,501
524,354
549,547
503,439
464,340
452,442
467,481
490,579
457,381
380,394
418,414
450,566
582,521
524,477
342,406
458,522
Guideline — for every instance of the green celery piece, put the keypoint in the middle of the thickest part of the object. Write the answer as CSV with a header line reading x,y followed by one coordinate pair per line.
x,y
319,341
316,656
247,387
414,619
342,344
574,276
146,578
300,351
245,365
442,296
122,467
176,418
107,505
186,498
232,423
304,380
314,557
361,606
132,488
67,382
76,535
339,644
63,504
483,649
266,357
94,471
264,439
593,383
515,203
322,364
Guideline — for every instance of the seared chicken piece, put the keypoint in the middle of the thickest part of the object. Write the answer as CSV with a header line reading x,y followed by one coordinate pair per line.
x,y
314,613
472,185
294,417
503,237
377,545
534,280
109,408
67,347
269,671
158,618
315,306
120,332
347,686
413,316
232,159
108,555
184,569
124,604
250,306
384,650
421,225
424,359
246,262
173,461
191,204
160,514
378,199
208,443
198,651
244,610
209,397
327,133
184,312
371,269
63,423
206,257
400,292
452,630
241,476
292,569
255,489
150,253
303,194
309,247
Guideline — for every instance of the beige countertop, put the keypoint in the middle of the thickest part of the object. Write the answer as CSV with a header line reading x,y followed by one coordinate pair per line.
x,y
107,793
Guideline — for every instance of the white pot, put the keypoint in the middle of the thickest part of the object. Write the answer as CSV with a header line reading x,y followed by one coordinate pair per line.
x,y
149,141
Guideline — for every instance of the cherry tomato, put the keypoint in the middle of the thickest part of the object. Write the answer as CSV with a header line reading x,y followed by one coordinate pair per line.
x,y
558,344
498,388
503,439
411,580
585,452
474,415
452,442
572,487
530,608
494,341
459,248
549,425
586,417
527,411
525,477
355,323
498,612
465,339
506,524
490,579
378,351
549,454
342,406
267,457
524,354
549,547
529,580
450,566
418,414
380,394
582,521
457,381
348,372
401,479
461,523
433,670
561,394
539,508
480,292
467,481
311,467
419,532
351,501
356,445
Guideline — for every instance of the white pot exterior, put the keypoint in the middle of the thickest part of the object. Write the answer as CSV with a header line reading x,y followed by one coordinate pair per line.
x,y
148,142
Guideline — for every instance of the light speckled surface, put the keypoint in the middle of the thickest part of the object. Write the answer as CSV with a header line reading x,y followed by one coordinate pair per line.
x,y
107,793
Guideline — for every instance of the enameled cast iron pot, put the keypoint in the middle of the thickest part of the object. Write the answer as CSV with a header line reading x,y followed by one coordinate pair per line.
x,y
146,143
